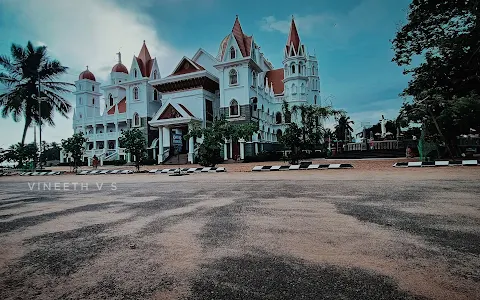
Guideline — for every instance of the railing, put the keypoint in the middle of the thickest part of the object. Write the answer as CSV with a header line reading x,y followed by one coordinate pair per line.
x,y
375,145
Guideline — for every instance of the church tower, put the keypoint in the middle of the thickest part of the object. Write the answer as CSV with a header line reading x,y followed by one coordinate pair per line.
x,y
87,96
295,67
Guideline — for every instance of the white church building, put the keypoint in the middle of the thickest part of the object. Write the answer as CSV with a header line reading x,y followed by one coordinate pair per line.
x,y
239,83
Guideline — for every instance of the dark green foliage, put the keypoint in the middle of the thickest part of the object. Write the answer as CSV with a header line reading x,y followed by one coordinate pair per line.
x,y
311,132
21,153
20,74
214,137
344,126
134,142
75,146
445,34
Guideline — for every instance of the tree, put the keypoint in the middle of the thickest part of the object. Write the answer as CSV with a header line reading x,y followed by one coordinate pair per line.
x,y
75,146
445,84
50,151
344,127
390,126
21,74
134,142
213,137
310,133
21,153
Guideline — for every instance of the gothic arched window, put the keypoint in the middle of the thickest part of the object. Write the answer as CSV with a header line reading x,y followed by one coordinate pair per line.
x,y
302,88
293,68
234,108
279,133
135,73
254,79
136,120
278,118
155,74
294,89
110,99
315,99
155,95
233,76
135,93
233,53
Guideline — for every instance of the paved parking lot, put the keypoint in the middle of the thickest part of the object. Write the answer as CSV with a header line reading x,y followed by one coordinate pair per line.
x,y
330,234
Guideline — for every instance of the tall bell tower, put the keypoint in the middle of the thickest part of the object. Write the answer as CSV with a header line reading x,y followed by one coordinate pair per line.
x,y
295,67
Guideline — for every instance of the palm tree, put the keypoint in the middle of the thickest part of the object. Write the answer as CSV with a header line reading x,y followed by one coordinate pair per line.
x,y
343,128
22,75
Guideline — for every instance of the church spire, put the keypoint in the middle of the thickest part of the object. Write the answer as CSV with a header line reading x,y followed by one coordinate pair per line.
x,y
239,37
293,38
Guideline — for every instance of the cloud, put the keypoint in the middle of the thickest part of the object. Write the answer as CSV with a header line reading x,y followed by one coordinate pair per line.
x,y
80,33
334,26
91,32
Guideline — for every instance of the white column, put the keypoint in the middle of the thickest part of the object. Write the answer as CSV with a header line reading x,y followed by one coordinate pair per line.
x,y
89,161
101,160
225,155
62,156
129,157
256,148
160,144
190,150
231,148
242,149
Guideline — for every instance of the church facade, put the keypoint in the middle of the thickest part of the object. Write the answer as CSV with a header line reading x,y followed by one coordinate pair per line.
x,y
239,83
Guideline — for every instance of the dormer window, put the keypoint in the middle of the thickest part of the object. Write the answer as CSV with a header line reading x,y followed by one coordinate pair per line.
x,y
155,95
155,74
233,77
110,99
135,73
233,53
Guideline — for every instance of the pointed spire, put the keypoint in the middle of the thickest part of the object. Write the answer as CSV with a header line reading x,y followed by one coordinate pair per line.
x,y
293,37
119,57
144,55
87,68
239,36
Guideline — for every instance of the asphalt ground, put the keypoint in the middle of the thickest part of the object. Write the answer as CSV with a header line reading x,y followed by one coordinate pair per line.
x,y
323,234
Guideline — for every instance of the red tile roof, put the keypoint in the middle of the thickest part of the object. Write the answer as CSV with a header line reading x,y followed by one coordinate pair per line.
x,y
122,107
87,75
186,66
244,42
120,68
145,61
293,37
276,77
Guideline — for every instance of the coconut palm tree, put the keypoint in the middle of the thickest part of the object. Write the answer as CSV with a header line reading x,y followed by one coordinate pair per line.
x,y
343,129
22,74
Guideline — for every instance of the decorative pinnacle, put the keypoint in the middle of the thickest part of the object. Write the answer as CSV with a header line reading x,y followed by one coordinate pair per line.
x,y
87,68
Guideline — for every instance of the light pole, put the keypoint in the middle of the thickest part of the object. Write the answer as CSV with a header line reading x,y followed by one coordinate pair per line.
x,y
40,99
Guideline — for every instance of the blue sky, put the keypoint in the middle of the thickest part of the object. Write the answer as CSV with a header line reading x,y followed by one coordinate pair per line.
x,y
350,38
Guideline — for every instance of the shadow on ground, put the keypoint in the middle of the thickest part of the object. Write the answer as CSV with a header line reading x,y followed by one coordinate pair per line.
x,y
271,277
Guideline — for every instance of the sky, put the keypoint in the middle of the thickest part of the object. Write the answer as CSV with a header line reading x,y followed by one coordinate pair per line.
x,y
351,39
